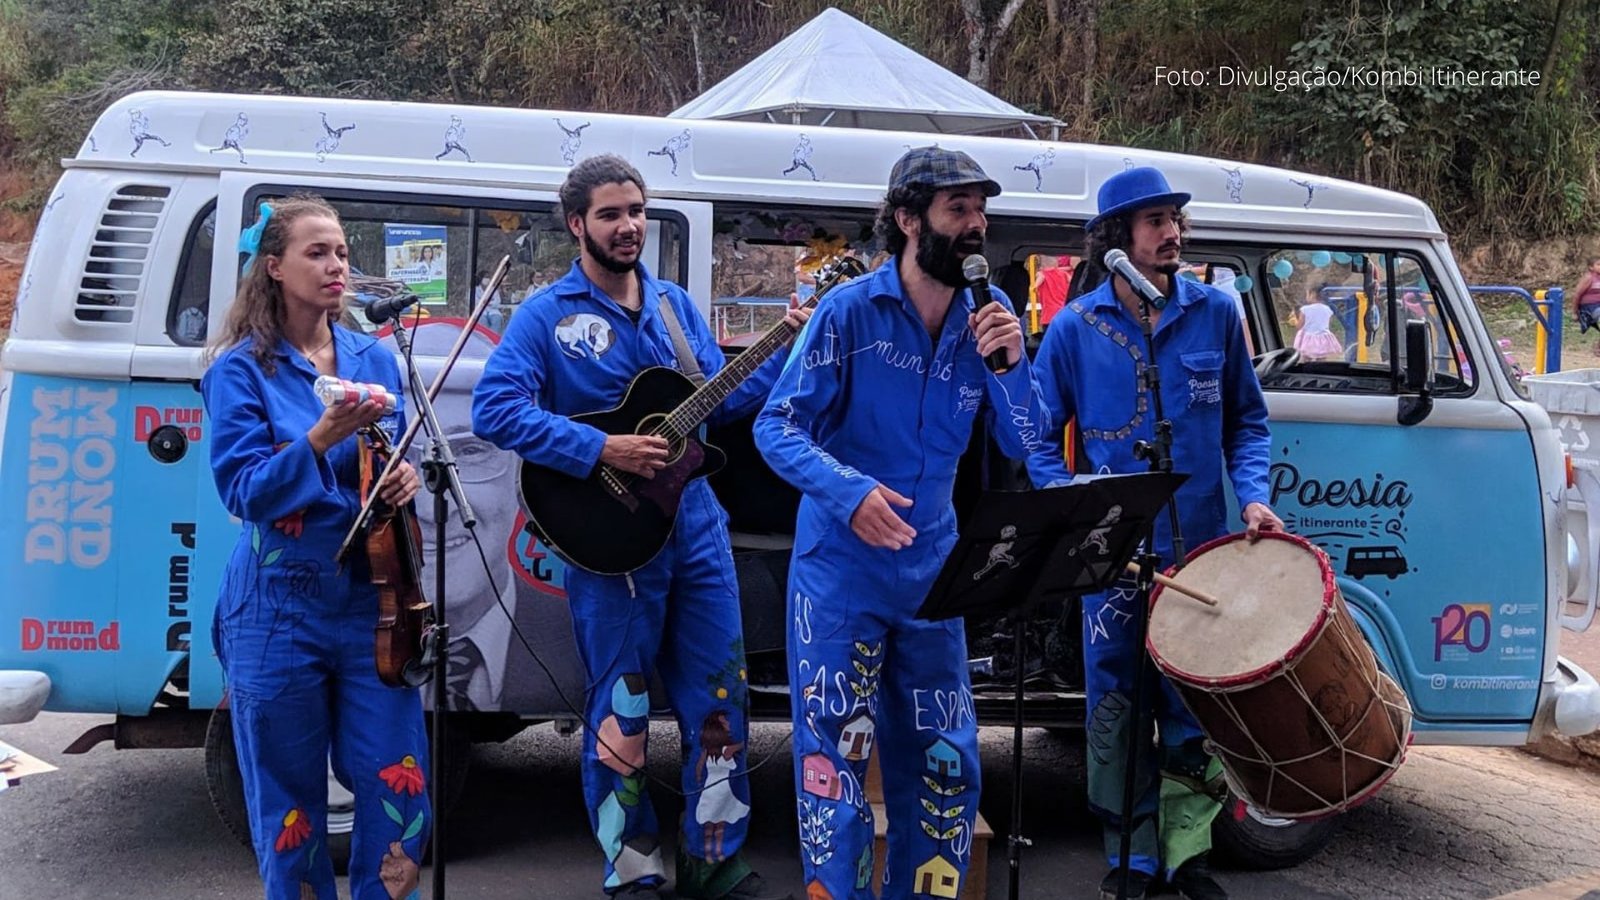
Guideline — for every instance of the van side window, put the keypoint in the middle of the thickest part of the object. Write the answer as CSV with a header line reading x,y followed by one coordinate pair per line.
x,y
760,255
1339,320
191,290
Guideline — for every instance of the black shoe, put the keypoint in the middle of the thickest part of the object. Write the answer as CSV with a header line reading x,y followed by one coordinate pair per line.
x,y
754,887
1193,881
1138,884
637,890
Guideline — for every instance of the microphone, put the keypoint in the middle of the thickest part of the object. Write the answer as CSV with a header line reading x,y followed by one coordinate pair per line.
x,y
381,311
1118,262
975,268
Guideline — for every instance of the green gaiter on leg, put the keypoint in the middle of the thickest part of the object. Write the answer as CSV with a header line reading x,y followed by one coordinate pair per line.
x,y
1191,796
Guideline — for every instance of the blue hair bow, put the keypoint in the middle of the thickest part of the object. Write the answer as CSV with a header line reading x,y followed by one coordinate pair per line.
x,y
250,238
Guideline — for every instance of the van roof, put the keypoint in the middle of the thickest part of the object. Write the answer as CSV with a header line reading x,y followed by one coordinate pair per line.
x,y
173,130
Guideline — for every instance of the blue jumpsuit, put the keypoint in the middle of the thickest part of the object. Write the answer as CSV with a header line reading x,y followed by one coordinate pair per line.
x,y
1088,368
867,397
571,349
294,632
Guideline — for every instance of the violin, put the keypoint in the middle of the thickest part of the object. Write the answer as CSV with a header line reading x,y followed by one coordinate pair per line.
x,y
402,647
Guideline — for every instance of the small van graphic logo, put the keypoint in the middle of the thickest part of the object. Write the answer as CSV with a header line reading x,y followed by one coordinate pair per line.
x,y
1364,561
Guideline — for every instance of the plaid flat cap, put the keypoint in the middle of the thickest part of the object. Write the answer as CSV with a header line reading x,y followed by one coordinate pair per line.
x,y
937,167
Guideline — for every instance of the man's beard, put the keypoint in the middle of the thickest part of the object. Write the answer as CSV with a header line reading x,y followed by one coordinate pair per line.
x,y
607,261
1170,269
941,255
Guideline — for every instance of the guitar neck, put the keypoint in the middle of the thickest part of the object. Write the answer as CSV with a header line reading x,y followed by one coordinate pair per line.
x,y
698,407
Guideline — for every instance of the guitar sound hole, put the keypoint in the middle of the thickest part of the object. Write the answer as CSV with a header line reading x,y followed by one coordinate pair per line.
x,y
648,426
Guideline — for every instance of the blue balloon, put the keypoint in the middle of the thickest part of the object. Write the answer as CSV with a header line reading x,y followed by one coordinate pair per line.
x,y
1243,283
1283,268
1321,258
1341,258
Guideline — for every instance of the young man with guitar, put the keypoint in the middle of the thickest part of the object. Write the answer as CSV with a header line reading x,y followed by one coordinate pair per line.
x,y
869,419
576,347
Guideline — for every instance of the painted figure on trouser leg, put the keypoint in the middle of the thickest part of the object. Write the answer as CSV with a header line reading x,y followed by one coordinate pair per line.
x,y
573,348
1090,368
869,419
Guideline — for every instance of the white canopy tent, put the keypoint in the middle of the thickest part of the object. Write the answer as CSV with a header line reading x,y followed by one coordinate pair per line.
x,y
837,70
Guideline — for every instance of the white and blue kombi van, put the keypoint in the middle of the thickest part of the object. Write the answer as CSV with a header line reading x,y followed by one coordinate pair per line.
x,y
1439,494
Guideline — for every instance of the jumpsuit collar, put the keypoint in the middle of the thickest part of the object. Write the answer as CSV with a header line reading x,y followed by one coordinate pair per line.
x,y
886,284
348,349
1187,293
576,285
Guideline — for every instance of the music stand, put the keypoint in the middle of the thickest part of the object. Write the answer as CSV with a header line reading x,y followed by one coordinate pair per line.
x,y
1021,548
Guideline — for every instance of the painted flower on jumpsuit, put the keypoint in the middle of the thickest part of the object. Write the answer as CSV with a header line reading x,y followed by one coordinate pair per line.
x,y
296,829
398,871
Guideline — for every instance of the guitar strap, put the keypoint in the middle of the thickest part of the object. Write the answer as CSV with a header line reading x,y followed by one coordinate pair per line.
x,y
680,343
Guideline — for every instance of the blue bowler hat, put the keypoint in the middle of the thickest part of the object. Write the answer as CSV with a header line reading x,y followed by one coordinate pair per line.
x,y
1136,189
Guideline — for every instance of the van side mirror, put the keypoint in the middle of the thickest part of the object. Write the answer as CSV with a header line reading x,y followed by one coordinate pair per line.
x,y
1418,402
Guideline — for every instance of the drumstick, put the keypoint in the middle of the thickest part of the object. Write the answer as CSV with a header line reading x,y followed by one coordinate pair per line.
x,y
1173,585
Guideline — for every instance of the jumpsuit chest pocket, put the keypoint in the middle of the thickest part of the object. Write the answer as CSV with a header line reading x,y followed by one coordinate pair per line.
x,y
1202,379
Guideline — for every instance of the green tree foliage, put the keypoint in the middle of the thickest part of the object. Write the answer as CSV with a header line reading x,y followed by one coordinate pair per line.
x,y
1488,158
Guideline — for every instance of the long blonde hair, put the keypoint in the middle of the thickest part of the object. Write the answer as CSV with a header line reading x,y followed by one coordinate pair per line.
x,y
257,311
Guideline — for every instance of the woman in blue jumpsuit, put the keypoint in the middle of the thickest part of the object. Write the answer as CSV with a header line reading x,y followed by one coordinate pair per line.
x,y
1088,367
293,629
874,404
573,348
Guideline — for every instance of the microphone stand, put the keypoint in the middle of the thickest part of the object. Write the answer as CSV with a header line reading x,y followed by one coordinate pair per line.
x,y
1158,453
441,475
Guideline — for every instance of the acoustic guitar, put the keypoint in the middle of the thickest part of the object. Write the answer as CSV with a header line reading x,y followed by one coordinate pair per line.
x,y
613,522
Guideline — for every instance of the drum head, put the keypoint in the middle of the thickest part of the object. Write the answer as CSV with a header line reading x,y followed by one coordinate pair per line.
x,y
1273,597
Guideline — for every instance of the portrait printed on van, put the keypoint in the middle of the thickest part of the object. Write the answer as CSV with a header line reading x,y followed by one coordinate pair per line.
x,y
482,645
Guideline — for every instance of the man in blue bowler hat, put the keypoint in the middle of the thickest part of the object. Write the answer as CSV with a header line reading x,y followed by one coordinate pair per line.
x,y
1090,368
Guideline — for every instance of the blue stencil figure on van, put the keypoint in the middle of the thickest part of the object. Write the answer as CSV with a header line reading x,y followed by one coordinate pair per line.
x,y
1091,368
139,127
874,409
329,142
233,138
802,158
1311,189
1235,182
574,347
454,134
1037,165
674,145
574,140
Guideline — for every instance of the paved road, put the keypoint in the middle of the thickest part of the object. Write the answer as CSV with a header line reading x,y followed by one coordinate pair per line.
x,y
1455,823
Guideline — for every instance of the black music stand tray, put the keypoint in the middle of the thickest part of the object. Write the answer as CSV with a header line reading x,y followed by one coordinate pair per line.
x,y
1020,548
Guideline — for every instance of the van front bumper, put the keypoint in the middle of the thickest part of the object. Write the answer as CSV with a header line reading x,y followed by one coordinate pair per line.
x,y
1575,700
22,695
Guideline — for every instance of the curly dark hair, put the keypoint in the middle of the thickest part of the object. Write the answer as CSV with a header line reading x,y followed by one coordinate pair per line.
x,y
1114,233
916,199
577,191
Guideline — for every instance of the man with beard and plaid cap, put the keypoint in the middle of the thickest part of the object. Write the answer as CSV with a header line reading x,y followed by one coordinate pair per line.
x,y
871,415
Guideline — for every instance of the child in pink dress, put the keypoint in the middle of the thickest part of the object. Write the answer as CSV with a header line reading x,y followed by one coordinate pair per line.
x,y
1315,340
